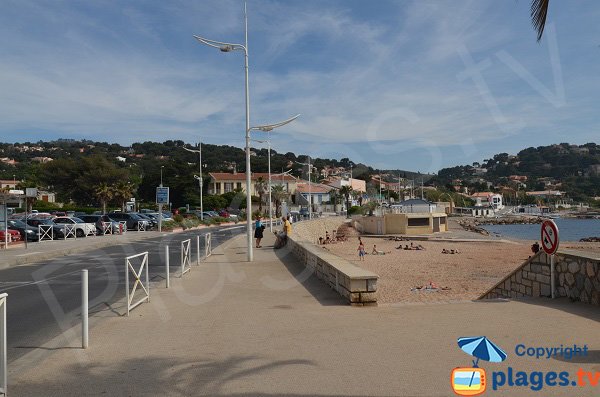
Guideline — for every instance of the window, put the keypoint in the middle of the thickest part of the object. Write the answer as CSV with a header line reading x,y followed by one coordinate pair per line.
x,y
442,221
228,187
239,185
418,222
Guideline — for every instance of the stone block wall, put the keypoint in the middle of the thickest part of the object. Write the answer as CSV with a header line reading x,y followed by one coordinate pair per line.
x,y
357,285
577,277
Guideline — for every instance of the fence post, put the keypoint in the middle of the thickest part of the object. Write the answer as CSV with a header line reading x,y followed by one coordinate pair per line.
x,y
3,377
198,249
167,266
84,309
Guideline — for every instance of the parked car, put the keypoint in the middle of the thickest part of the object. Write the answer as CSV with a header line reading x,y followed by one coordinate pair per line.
x,y
82,228
13,236
26,231
57,230
151,222
154,215
98,220
131,219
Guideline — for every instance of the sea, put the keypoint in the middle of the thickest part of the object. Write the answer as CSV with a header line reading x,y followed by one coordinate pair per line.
x,y
569,229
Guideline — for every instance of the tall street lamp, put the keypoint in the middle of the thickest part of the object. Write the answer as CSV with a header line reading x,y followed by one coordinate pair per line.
x,y
309,188
268,128
199,177
228,47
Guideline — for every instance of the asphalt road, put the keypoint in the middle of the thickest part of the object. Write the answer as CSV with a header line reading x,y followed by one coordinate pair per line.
x,y
45,298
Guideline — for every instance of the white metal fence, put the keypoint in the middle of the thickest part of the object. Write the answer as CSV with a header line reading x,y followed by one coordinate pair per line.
x,y
143,267
3,369
70,231
122,227
46,232
107,228
186,256
141,226
207,245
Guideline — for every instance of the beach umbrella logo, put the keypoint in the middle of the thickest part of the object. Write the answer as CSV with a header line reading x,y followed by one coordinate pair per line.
x,y
471,381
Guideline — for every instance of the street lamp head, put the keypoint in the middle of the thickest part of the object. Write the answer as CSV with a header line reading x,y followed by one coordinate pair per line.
x,y
197,177
226,48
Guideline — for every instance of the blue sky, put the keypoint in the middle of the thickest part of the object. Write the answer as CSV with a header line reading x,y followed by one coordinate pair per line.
x,y
416,85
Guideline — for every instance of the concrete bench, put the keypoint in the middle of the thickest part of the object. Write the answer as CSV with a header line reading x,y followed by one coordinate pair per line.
x,y
358,286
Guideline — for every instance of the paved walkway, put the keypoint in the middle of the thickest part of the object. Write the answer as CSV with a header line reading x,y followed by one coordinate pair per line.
x,y
232,328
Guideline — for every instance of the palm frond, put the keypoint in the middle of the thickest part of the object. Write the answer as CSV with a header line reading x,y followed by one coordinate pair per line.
x,y
539,12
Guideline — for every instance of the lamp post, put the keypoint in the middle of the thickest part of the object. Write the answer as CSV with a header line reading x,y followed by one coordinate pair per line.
x,y
268,128
309,188
199,177
228,47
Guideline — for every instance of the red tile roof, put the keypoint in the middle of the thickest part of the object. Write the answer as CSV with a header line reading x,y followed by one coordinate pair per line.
x,y
315,188
241,176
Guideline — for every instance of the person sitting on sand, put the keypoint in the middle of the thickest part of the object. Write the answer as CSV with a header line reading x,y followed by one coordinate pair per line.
x,y
320,240
376,252
406,247
444,251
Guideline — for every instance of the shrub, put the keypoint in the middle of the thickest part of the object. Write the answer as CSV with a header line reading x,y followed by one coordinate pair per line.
x,y
355,210
178,218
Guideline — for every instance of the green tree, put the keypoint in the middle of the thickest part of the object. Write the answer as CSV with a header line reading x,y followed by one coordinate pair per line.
x,y
122,192
104,194
346,191
279,194
261,186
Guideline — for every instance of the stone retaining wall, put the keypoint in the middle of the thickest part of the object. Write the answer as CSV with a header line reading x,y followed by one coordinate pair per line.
x,y
577,276
357,285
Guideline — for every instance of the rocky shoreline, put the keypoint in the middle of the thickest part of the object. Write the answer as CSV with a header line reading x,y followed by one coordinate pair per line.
x,y
475,225
590,240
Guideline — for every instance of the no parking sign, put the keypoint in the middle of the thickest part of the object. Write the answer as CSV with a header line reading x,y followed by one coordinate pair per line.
x,y
549,237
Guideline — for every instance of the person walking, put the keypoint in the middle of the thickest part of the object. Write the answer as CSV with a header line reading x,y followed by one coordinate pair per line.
x,y
361,251
258,231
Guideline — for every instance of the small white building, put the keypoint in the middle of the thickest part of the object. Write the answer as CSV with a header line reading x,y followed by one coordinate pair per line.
x,y
493,200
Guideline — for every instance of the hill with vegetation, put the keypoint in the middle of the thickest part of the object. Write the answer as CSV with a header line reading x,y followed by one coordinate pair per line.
x,y
573,169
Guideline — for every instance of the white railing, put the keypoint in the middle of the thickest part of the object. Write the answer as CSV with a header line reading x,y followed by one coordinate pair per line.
x,y
107,228
46,232
186,255
3,369
207,245
70,231
129,267
141,226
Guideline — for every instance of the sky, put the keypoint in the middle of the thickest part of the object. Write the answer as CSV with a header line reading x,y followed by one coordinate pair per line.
x,y
414,85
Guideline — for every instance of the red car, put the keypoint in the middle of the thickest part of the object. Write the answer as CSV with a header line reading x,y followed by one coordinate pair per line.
x,y
13,236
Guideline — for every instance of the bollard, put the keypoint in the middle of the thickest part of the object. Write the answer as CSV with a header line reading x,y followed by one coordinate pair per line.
x,y
167,266
84,309
3,363
198,249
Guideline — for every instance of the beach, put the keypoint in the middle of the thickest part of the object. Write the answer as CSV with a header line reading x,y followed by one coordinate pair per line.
x,y
481,262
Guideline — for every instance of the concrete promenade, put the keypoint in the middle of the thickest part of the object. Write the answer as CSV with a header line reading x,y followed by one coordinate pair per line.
x,y
232,328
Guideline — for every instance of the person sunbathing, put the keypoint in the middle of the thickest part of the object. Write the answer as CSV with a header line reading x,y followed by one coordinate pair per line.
x,y
376,252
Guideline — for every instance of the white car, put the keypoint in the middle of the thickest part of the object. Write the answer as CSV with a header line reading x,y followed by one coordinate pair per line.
x,y
81,228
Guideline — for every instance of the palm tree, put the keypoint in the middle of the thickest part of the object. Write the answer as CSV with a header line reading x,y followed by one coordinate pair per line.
x,y
261,187
346,191
539,12
279,195
104,193
122,193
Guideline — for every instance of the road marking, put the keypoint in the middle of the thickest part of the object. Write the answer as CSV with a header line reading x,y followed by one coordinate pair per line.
x,y
30,253
231,228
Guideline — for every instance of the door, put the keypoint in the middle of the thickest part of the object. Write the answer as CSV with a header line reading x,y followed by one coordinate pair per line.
x,y
436,224
379,226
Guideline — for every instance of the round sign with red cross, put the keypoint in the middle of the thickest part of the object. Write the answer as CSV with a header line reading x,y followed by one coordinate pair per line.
x,y
549,237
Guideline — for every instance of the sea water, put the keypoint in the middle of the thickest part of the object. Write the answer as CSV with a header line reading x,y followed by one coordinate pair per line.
x,y
568,229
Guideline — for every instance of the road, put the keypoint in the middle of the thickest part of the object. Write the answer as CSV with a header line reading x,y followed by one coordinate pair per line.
x,y
45,298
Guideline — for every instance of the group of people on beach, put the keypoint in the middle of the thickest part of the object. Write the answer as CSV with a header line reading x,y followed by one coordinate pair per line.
x,y
417,247
328,239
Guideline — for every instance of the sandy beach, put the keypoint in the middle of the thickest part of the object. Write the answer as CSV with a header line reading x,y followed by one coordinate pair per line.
x,y
479,264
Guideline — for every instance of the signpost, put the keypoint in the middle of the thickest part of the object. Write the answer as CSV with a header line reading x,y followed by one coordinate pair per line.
x,y
550,240
162,197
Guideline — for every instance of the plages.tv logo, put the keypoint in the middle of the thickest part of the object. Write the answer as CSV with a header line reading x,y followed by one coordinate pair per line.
x,y
472,381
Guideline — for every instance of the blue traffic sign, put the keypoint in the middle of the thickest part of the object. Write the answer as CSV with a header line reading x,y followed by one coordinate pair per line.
x,y
162,195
